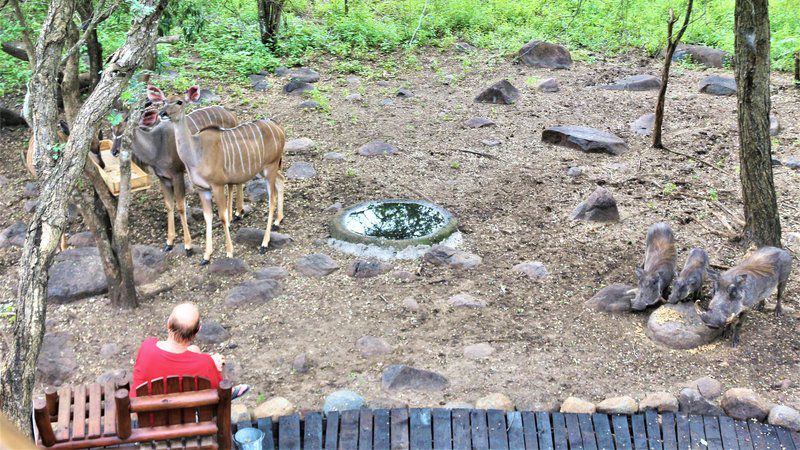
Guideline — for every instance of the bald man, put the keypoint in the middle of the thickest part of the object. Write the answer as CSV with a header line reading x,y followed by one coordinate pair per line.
x,y
177,355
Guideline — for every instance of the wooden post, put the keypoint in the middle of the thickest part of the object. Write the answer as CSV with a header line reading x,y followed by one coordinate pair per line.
x,y
122,383
41,416
51,397
123,402
224,437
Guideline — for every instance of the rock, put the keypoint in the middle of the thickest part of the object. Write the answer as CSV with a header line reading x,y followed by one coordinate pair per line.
x,y
792,163
309,104
404,93
75,274
300,170
718,85
232,370
599,207
343,400
257,190
545,55
410,304
612,299
303,74
701,54
678,326
208,96
442,255
708,387
370,346
577,406
316,265
31,189
298,146
254,291
387,403
660,401
401,377
495,401
57,360
774,125
354,80
355,98
297,87
463,47
30,206
387,102
259,82
335,207
254,236
383,83
377,148
500,93
111,375
458,405
228,266
240,413
586,139
367,268
535,270
550,406
692,402
466,301
300,363
634,83
618,405
744,404
211,332
334,156
148,263
271,273
548,85
109,350
82,239
478,351
14,235
490,142
479,122
784,416
3,180
644,124
574,172
274,408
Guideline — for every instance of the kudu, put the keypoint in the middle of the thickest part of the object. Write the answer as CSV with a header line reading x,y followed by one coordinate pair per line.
x,y
154,145
216,157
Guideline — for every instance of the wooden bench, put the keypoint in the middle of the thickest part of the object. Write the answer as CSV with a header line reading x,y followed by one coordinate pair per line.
x,y
176,413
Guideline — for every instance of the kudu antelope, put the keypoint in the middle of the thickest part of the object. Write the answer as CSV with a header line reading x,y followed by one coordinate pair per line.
x,y
216,157
154,145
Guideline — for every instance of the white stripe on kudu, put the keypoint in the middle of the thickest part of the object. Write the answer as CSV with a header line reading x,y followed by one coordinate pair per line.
x,y
246,144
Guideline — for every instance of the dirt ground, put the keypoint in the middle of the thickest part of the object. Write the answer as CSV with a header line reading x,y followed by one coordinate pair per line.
x,y
511,209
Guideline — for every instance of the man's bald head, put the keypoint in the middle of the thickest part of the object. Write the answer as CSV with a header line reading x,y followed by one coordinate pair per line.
x,y
184,322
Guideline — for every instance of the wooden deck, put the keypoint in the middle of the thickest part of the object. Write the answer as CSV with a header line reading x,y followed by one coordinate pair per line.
x,y
478,429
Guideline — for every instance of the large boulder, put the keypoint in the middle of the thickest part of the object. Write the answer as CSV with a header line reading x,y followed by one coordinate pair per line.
x,y
784,416
442,255
76,274
228,266
370,346
659,401
82,239
298,146
254,291
644,124
304,74
297,87
534,270
691,401
300,170
634,83
500,93
618,405
400,377
613,298
599,207
718,85
274,408
256,190
212,332
259,82
479,122
709,388
548,85
343,400
240,413
377,148
57,360
252,237
271,273
545,55
701,54
496,401
148,263
679,327
13,235
745,404
576,405
316,265
586,139
367,268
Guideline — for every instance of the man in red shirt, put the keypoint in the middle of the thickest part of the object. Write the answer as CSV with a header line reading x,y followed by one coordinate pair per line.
x,y
177,356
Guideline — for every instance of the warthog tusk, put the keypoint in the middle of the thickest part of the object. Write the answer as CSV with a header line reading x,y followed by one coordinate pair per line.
x,y
697,308
633,291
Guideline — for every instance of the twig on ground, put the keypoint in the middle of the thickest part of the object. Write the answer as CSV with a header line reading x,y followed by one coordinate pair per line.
x,y
485,155
702,161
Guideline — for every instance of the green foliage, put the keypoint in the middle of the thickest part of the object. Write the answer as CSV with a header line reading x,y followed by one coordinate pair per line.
x,y
321,98
350,173
670,188
7,312
56,150
712,195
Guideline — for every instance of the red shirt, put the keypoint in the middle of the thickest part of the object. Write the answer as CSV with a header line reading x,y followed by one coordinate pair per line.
x,y
153,362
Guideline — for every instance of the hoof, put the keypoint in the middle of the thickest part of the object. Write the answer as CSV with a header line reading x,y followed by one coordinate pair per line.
x,y
262,250
276,227
168,248
189,252
204,262
236,218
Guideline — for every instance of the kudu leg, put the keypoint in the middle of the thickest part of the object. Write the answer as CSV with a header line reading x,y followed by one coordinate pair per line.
x,y
208,214
224,215
169,203
180,205
280,184
272,197
239,201
63,243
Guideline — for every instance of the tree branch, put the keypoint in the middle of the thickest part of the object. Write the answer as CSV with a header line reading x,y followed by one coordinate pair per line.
x,y
26,32
96,19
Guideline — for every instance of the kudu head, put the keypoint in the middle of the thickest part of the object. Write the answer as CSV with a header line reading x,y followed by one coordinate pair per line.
x,y
94,146
146,122
174,105
727,303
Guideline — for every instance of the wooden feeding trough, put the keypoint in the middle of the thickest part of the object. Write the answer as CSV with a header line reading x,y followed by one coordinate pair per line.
x,y
140,180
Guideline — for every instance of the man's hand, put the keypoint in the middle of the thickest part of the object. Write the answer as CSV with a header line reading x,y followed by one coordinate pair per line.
x,y
219,360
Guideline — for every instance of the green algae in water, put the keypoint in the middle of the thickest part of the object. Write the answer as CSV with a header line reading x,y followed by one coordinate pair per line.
x,y
395,220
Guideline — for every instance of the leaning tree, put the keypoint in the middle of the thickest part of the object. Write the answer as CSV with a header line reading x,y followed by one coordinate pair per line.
x,y
59,168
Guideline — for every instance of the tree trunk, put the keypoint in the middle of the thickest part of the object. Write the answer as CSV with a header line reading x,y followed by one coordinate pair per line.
x,y
672,45
752,67
797,70
58,178
70,86
269,20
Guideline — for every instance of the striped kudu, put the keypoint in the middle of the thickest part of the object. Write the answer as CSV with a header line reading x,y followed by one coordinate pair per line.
x,y
216,157
154,145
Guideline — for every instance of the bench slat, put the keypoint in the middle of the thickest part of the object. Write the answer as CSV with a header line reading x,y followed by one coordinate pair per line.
x,y
559,432
265,425
498,439
399,429
348,430
743,435
312,432
332,431
289,433
79,412
653,430
64,403
573,432
622,434
189,414
420,424
159,418
684,431
461,434
109,409
713,436
545,431
771,434
529,430
516,432
639,430
382,429
204,413
479,429
758,435
442,429
602,428
365,429
728,431
668,433
697,432
587,432
95,411
785,438
174,416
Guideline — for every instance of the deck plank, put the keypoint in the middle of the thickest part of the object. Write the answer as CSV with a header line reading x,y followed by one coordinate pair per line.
x,y
743,435
478,426
559,432
421,429
332,430
348,430
382,424
654,440
442,429
462,439
530,430
498,439
516,435
785,438
758,435
573,432
544,430
639,432
684,432
587,432
312,431
713,435
399,429
795,438
602,430
668,435
773,441
265,425
365,429
289,433
728,432
697,432
622,434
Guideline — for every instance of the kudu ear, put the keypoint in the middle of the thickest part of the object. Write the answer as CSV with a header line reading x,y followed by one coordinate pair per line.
x,y
149,118
62,125
193,94
154,94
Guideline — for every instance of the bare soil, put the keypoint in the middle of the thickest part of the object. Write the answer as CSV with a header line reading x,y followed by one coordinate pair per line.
x,y
511,209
